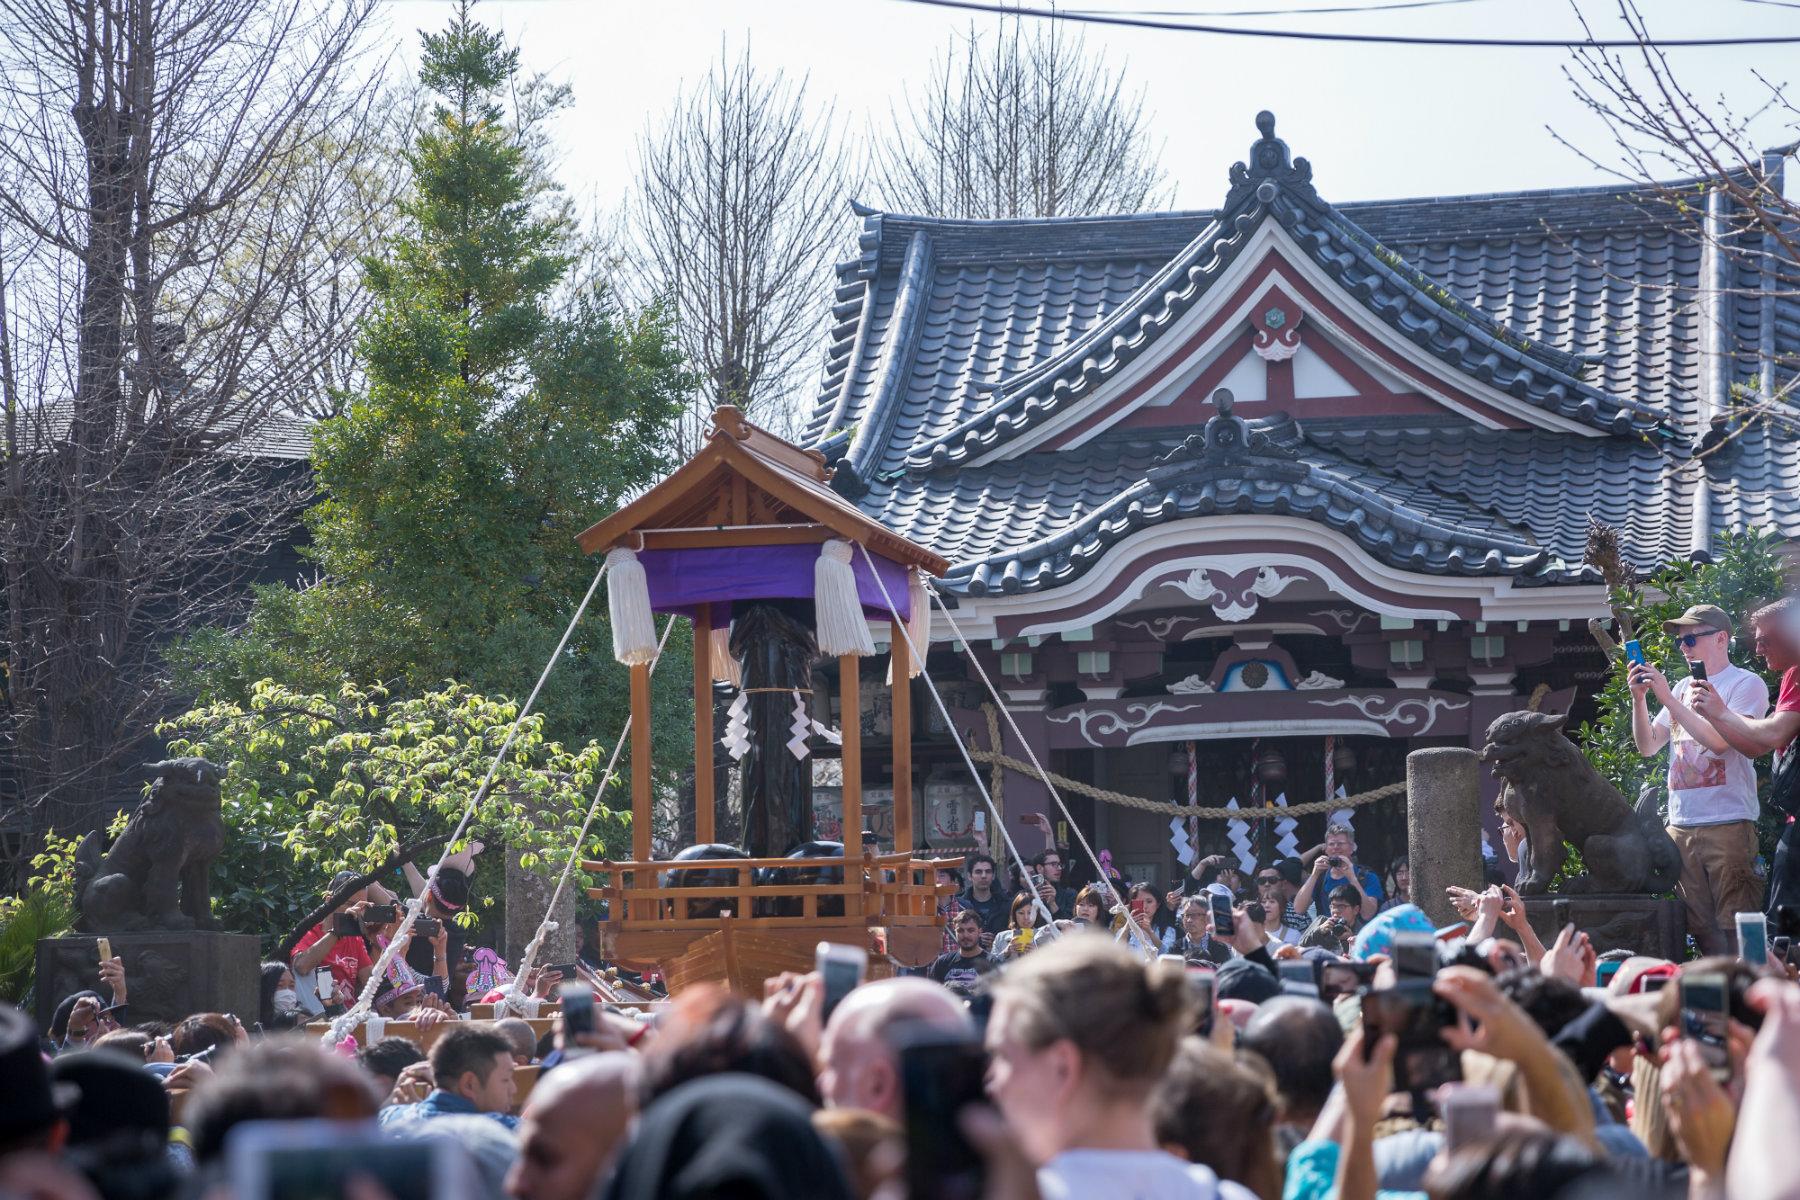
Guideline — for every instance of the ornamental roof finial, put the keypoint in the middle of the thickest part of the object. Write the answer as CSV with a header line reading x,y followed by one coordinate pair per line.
x,y
1268,163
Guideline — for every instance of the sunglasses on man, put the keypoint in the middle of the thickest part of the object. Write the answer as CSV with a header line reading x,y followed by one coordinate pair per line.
x,y
1691,639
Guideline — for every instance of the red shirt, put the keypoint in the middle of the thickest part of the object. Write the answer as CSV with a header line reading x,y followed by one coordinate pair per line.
x,y
346,960
1789,699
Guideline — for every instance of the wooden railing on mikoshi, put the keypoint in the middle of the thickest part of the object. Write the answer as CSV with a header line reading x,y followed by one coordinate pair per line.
x,y
877,889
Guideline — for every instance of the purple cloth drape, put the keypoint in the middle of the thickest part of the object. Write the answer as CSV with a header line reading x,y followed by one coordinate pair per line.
x,y
682,580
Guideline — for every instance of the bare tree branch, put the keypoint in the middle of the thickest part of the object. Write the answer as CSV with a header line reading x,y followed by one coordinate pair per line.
x,y
1021,124
740,201
185,188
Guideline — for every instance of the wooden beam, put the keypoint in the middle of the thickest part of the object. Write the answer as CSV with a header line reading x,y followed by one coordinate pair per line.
x,y
703,725
742,535
849,709
640,762
900,667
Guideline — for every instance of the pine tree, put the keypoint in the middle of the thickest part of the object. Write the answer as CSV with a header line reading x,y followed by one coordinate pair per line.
x,y
506,409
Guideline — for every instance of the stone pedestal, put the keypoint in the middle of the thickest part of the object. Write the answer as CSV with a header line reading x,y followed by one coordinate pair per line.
x,y
1641,924
168,974
527,895
1443,826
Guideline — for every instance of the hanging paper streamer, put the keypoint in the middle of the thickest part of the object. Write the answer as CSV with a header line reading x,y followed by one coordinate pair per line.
x,y
837,610
725,668
628,603
1238,834
737,727
1178,838
801,729
1285,843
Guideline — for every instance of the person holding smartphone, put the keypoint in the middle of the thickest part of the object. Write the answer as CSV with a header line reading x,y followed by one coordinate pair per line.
x,y
1776,629
1712,787
1335,866
338,943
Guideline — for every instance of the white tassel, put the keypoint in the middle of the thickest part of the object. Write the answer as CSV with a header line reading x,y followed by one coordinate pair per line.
x,y
628,600
837,611
919,623
725,668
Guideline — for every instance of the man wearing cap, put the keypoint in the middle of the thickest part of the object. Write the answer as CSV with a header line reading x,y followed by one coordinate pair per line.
x,y
1712,787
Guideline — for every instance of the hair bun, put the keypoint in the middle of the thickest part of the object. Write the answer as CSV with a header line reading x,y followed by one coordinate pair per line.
x,y
1166,991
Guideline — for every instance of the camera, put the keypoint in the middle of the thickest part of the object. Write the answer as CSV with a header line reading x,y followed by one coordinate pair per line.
x,y
1417,1017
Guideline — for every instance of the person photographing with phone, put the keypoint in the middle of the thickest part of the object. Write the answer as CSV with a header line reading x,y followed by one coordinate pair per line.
x,y
1776,630
1333,867
1712,786
337,942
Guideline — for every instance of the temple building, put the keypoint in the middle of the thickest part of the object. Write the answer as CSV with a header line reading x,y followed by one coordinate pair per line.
x,y
1250,502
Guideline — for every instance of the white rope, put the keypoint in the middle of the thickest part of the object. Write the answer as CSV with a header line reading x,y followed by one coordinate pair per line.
x,y
546,925
974,772
348,1020
1145,944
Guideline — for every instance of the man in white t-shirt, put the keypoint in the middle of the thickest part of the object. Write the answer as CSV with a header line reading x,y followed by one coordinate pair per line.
x,y
1712,788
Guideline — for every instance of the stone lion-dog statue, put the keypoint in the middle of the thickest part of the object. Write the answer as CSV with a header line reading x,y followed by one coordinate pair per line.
x,y
1552,792
154,877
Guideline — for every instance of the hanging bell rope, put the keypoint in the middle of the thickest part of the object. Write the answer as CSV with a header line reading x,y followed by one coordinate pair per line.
x,y
628,602
838,622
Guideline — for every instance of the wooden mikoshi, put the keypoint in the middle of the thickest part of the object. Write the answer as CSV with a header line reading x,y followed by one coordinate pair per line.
x,y
747,490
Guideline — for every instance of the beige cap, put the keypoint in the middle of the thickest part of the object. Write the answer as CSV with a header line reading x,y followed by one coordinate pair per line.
x,y
1701,616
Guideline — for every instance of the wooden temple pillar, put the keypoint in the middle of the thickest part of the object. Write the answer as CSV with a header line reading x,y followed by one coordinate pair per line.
x,y
703,726
900,671
640,763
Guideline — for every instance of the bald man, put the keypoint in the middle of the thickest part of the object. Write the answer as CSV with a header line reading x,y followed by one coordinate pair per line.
x,y
573,1126
859,1067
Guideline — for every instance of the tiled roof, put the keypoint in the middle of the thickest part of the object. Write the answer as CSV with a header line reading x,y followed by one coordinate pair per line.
x,y
1588,301
277,436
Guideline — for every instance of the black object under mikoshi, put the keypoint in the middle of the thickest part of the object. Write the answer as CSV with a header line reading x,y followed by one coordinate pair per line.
x,y
773,641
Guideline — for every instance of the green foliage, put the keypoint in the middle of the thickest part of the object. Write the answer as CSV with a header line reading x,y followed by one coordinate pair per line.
x,y
507,407
1744,575
39,913
318,783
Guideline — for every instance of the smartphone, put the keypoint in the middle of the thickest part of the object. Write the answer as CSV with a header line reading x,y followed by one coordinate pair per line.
x,y
1470,1112
1561,909
1298,977
1705,996
941,1074
434,986
1416,1017
381,914
1697,671
1344,979
1634,652
323,983
1779,945
1201,983
842,968
316,1160
428,927
1753,938
1415,955
980,822
1224,921
345,924
567,970
577,1009
104,946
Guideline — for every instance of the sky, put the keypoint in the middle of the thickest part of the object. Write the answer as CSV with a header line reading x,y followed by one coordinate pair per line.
x,y
1375,121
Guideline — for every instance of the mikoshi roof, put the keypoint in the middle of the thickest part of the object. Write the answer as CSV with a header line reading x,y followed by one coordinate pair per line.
x,y
747,487
958,342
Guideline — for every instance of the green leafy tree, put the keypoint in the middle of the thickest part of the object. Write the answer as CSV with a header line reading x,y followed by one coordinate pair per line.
x,y
1745,573
318,783
510,401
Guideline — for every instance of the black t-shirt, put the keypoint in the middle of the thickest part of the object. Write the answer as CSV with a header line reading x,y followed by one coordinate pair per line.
x,y
959,973
422,958
993,911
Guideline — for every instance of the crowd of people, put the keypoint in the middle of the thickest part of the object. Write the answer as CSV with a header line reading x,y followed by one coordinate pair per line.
x,y
1300,1030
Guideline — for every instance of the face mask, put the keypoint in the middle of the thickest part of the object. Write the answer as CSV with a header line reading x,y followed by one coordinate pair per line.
x,y
286,999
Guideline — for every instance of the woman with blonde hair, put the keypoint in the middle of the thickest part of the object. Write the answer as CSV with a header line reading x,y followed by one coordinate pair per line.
x,y
1082,1032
